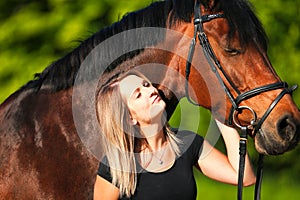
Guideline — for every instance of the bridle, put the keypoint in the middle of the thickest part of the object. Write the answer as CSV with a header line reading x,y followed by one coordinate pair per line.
x,y
254,125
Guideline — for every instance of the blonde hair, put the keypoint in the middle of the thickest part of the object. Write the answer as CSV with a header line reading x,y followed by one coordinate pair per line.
x,y
120,142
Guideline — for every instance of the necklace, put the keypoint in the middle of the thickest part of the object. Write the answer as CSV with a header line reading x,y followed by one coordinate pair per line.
x,y
160,161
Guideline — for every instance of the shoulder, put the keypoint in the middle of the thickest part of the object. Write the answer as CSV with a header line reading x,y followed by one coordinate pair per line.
x,y
104,169
189,141
189,137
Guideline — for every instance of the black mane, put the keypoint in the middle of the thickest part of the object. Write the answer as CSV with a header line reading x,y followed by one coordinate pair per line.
x,y
62,73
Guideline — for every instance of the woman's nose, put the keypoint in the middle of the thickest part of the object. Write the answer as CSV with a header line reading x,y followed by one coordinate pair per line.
x,y
150,90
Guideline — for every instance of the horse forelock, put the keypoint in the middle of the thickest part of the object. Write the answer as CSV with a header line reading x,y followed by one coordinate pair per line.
x,y
61,74
242,19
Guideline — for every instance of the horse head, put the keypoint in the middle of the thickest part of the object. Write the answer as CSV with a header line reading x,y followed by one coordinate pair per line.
x,y
238,83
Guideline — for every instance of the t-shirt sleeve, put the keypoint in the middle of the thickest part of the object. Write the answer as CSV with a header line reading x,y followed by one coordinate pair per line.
x,y
197,147
191,145
104,170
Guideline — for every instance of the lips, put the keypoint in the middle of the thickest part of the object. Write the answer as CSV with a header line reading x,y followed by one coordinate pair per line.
x,y
156,98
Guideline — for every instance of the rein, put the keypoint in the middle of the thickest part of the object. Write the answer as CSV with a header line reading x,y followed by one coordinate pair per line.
x,y
254,125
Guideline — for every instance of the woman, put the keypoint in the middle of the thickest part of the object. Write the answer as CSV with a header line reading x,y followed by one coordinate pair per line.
x,y
144,157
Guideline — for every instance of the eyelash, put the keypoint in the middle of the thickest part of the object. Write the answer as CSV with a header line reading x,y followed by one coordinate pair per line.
x,y
144,84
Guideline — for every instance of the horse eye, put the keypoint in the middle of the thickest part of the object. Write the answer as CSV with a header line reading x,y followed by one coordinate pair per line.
x,y
232,51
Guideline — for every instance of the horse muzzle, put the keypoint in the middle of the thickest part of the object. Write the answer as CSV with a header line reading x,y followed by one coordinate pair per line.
x,y
285,138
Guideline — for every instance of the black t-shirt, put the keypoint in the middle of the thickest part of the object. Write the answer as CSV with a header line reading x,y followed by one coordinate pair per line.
x,y
176,183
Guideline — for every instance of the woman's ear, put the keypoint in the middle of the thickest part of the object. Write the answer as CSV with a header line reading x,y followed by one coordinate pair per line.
x,y
133,121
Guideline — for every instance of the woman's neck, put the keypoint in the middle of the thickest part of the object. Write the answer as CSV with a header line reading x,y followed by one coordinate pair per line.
x,y
156,154
154,135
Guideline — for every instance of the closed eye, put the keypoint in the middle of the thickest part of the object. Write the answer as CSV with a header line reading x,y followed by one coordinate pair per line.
x,y
137,95
232,51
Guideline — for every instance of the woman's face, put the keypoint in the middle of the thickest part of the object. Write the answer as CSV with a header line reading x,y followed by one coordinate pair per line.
x,y
143,100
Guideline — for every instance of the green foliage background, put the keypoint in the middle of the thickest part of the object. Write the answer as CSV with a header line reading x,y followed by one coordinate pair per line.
x,y
35,33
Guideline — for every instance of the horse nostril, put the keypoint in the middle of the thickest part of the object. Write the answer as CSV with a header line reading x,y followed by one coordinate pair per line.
x,y
287,128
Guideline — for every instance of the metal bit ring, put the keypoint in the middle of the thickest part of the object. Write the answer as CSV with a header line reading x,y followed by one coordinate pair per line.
x,y
244,108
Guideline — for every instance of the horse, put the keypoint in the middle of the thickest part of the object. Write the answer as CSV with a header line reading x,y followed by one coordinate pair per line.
x,y
42,152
